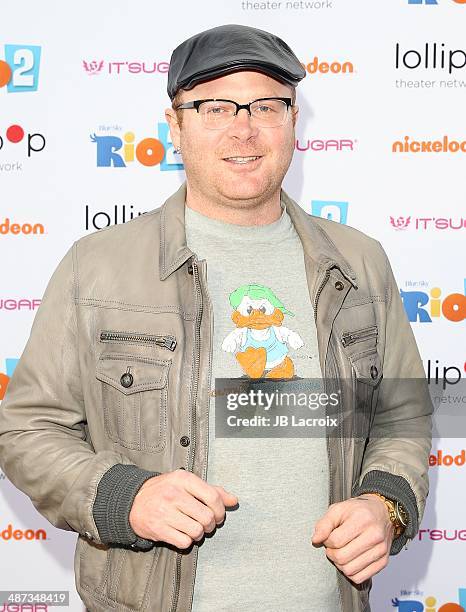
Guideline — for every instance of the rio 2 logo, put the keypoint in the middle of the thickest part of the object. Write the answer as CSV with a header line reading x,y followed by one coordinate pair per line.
x,y
327,209
5,377
425,307
430,604
19,71
119,152
433,1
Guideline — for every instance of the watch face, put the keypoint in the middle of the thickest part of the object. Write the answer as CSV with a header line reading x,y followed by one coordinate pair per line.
x,y
402,514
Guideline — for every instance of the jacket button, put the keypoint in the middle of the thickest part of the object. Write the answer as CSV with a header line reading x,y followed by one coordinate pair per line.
x,y
339,286
126,380
184,441
88,535
190,269
374,372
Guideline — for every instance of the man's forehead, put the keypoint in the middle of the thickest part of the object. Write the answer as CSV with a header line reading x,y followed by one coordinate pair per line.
x,y
241,82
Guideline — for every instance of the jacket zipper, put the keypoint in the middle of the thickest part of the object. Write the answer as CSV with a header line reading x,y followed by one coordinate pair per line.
x,y
343,472
209,380
168,342
319,291
358,336
197,342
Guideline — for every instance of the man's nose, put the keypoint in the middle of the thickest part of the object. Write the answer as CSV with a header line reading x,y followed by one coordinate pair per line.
x,y
242,124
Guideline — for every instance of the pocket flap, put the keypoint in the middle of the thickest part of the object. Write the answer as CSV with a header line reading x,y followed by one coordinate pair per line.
x,y
367,366
146,373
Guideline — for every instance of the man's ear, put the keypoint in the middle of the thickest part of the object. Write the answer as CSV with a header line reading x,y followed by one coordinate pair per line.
x,y
295,114
172,120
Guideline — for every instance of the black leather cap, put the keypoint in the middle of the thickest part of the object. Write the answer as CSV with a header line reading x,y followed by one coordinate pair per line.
x,y
229,48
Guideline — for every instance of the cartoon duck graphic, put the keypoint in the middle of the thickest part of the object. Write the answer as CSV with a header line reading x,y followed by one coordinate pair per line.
x,y
260,341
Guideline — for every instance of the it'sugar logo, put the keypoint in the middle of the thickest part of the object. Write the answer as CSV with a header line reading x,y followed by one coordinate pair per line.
x,y
400,223
93,67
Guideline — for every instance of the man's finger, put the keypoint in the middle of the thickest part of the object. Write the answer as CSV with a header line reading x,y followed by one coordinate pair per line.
x,y
187,525
353,550
175,537
345,533
198,511
228,498
363,561
370,571
210,495
324,527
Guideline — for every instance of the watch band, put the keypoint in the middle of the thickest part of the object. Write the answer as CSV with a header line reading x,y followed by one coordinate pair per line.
x,y
397,513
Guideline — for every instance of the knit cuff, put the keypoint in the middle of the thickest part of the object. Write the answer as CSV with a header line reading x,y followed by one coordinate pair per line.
x,y
395,488
115,495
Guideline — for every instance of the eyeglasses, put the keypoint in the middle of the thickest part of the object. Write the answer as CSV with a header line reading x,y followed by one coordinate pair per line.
x,y
218,114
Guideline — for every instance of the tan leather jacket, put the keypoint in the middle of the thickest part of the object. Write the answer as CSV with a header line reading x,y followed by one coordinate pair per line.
x,y
134,296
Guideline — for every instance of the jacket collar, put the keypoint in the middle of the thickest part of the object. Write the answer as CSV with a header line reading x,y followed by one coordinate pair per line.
x,y
316,243
173,249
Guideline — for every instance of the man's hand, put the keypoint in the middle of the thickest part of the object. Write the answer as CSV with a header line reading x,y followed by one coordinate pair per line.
x,y
357,535
178,507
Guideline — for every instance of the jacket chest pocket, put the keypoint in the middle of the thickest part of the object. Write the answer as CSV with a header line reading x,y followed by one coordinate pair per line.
x,y
134,398
367,374
360,347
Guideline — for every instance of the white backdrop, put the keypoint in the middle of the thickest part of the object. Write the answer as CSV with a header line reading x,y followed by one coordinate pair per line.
x,y
387,71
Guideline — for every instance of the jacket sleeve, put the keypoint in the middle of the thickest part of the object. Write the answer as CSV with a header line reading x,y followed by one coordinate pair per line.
x,y
396,457
44,449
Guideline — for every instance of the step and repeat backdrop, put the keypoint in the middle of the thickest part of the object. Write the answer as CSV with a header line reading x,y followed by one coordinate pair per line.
x,y
380,146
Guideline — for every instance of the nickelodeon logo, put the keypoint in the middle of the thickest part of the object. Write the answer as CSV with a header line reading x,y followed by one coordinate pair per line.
x,y
439,459
22,534
20,228
317,67
446,145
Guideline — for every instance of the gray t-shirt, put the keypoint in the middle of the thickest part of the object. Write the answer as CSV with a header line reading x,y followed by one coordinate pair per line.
x,y
262,557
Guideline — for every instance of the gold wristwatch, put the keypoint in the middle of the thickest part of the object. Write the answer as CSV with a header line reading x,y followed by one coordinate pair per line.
x,y
397,513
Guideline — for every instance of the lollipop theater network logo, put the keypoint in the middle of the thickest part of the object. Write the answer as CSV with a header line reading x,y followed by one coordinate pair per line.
x,y
15,135
430,56
19,71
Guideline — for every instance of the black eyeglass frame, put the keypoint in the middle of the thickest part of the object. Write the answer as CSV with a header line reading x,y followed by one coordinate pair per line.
x,y
197,103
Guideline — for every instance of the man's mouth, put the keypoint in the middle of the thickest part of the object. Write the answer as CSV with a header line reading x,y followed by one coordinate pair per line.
x,y
242,159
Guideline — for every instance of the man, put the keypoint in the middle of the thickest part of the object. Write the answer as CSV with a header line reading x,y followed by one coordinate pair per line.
x,y
109,422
